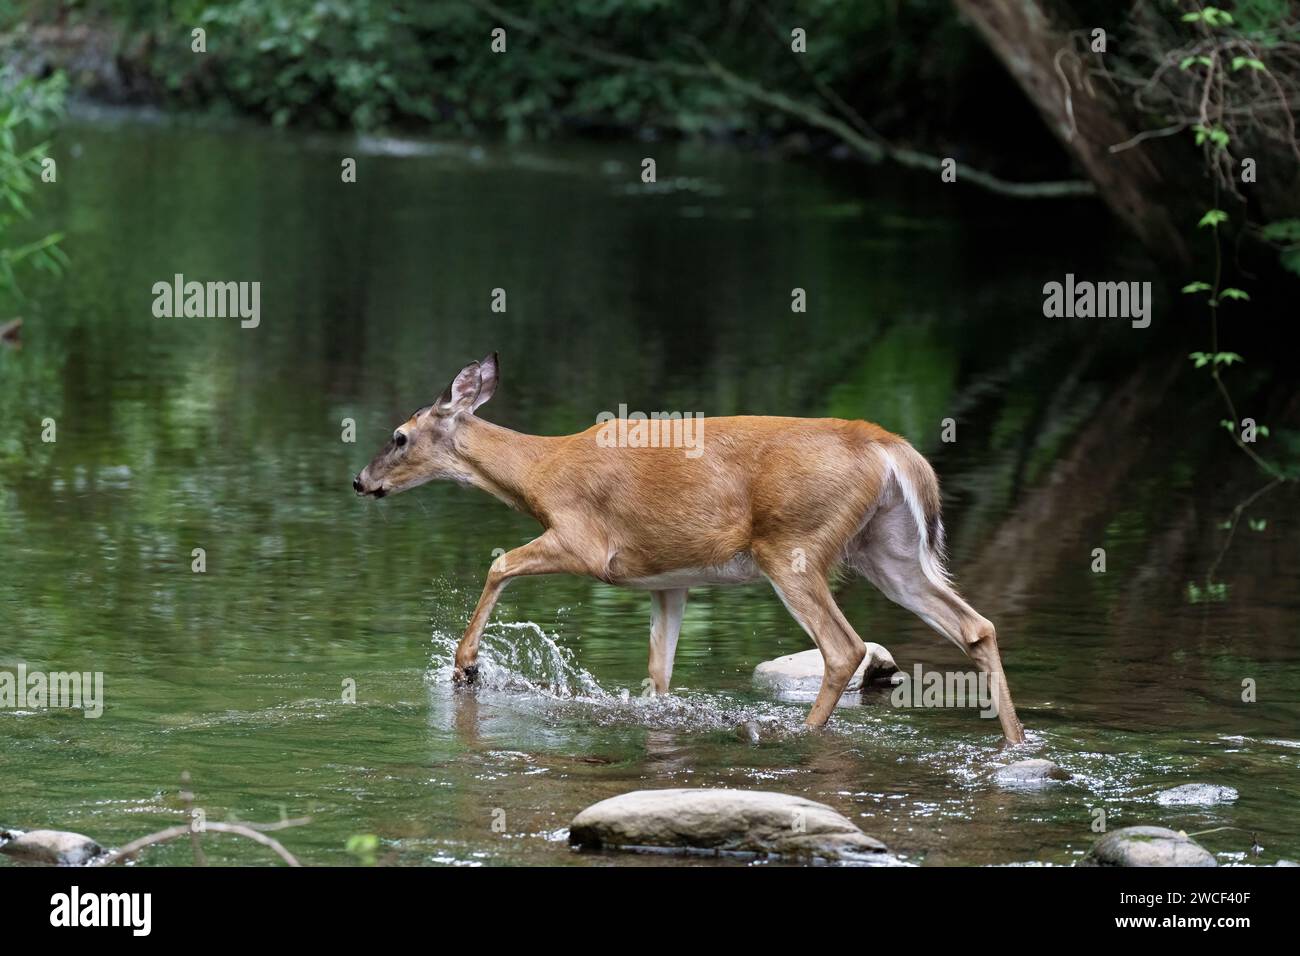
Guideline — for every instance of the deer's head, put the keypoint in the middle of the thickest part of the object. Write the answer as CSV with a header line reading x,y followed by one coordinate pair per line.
x,y
424,446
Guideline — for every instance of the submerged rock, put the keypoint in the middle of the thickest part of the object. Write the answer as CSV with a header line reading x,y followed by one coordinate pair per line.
x,y
49,846
1029,773
1196,795
800,675
1148,846
725,821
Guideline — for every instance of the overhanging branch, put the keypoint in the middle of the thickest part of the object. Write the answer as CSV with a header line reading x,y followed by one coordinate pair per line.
x,y
874,150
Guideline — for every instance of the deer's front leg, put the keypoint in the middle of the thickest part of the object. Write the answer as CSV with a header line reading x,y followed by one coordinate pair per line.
x,y
543,555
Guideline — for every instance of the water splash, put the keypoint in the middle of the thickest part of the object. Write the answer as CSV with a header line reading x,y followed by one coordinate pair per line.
x,y
520,656
522,659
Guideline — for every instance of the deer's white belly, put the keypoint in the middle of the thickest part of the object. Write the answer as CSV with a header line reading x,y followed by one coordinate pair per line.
x,y
739,570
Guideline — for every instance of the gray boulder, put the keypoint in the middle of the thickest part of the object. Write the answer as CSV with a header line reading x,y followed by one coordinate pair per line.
x,y
725,821
49,846
1148,846
799,676
1029,774
1196,795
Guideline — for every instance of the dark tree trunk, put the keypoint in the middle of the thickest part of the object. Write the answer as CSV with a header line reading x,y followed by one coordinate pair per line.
x,y
1039,54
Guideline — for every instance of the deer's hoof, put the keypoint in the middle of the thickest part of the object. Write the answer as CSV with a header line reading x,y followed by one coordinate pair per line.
x,y
464,676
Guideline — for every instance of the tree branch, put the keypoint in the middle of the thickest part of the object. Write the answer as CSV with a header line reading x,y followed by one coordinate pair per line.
x,y
873,151
176,832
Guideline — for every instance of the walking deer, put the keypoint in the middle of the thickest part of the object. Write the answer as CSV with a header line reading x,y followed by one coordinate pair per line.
x,y
786,499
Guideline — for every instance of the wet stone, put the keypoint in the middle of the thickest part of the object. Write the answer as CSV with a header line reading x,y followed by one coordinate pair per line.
x,y
799,676
1196,795
58,847
1148,846
1029,774
753,822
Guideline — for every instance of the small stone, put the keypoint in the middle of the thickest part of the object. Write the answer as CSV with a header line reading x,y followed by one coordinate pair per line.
x,y
749,732
1148,846
58,847
725,821
1196,795
799,676
1029,773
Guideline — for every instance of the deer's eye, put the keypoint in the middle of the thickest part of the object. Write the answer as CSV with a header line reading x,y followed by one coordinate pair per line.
x,y
399,439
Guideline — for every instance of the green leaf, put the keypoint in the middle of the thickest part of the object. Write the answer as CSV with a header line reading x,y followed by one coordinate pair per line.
x,y
1282,230
1213,218
1196,287
1234,294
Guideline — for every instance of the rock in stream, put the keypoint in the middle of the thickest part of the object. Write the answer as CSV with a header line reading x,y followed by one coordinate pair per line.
x,y
1196,795
725,821
1029,774
800,675
58,847
1148,846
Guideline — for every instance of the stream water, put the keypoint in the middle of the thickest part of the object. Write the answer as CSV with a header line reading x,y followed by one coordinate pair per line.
x,y
177,434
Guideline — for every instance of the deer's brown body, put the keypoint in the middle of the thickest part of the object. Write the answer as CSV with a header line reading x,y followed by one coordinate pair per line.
x,y
786,499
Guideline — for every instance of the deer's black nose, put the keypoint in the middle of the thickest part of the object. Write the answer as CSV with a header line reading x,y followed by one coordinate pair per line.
x,y
356,484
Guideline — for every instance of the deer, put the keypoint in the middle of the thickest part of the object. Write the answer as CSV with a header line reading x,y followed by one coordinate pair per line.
x,y
789,500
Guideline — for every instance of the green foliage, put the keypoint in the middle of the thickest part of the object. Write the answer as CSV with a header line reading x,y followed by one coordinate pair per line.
x,y
25,106
1263,17
1285,233
1203,359
1211,592
1213,218
1215,134
1211,16
372,64
365,847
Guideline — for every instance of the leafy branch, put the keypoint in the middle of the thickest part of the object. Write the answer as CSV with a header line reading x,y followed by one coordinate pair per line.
x,y
25,105
1216,360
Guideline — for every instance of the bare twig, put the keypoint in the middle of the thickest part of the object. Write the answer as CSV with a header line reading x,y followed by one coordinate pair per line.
x,y
238,829
187,801
1148,134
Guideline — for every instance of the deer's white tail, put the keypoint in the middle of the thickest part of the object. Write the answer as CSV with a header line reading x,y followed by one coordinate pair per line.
x,y
919,486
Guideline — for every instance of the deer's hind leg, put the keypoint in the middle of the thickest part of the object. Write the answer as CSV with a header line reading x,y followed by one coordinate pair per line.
x,y
888,554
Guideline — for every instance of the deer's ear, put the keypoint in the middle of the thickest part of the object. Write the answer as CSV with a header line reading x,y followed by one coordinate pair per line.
x,y
489,376
463,391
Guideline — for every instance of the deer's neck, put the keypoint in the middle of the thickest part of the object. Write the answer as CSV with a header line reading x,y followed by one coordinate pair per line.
x,y
500,461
